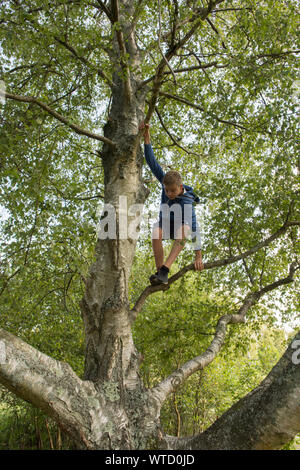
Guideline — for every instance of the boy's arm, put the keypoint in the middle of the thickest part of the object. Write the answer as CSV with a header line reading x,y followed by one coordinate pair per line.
x,y
198,263
153,164
150,158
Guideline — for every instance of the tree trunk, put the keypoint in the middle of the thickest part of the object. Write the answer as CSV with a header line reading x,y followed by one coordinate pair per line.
x,y
111,361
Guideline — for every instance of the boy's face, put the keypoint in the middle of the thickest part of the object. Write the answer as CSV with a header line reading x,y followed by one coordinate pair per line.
x,y
173,190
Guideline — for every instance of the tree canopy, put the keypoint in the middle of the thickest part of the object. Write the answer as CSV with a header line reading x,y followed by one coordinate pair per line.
x,y
221,90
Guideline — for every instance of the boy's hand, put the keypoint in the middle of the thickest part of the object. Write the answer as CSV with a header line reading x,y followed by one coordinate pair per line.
x,y
146,128
198,263
143,126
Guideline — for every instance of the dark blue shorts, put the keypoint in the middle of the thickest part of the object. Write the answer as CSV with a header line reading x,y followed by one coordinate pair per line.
x,y
165,235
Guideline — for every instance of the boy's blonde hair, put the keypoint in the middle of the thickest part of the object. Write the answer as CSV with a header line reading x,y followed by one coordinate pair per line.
x,y
172,177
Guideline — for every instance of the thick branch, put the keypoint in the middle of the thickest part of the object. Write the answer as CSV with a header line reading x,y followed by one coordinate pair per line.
x,y
265,419
46,383
59,117
178,377
122,48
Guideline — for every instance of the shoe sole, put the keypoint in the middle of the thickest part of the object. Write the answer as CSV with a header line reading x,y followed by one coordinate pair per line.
x,y
156,282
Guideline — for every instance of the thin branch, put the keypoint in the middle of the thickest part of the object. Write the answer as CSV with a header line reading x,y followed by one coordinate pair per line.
x,y
220,10
59,117
197,12
106,10
159,45
186,69
72,50
6,282
68,93
216,31
72,197
170,53
168,385
197,67
8,279
277,54
262,269
170,135
84,60
21,67
175,21
215,64
37,10
200,108
246,267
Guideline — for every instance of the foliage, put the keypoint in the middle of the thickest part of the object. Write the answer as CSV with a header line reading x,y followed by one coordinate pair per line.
x,y
168,334
24,427
232,135
238,149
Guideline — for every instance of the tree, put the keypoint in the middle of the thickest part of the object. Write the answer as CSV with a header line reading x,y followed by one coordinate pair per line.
x,y
223,72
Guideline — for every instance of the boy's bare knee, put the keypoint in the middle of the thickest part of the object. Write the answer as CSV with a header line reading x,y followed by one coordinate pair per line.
x,y
179,242
183,233
186,230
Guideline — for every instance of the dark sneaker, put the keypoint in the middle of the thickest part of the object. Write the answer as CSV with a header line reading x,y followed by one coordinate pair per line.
x,y
159,278
153,277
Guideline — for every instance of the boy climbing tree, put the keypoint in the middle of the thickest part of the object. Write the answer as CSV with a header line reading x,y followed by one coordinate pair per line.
x,y
177,217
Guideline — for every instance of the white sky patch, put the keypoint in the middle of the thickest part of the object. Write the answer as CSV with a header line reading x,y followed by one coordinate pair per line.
x,y
4,214
296,90
2,94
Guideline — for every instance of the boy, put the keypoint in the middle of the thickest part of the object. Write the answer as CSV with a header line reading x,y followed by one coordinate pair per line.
x,y
174,192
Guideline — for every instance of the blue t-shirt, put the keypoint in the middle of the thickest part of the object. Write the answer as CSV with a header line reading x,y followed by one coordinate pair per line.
x,y
183,211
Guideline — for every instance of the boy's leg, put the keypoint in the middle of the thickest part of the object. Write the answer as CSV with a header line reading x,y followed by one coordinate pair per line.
x,y
179,242
157,246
